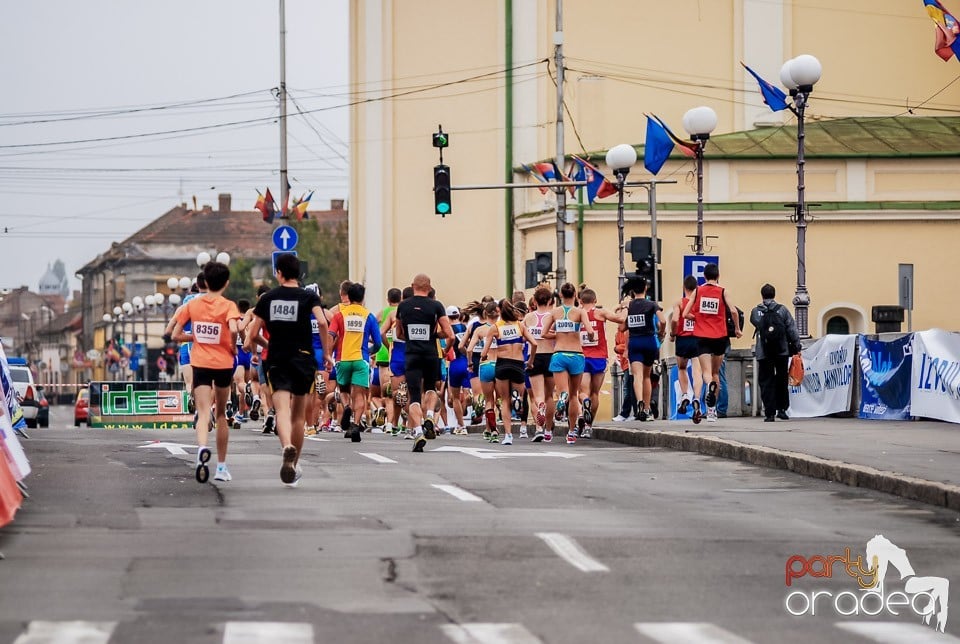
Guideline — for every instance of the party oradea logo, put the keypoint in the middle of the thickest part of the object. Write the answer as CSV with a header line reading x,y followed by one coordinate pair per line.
x,y
922,597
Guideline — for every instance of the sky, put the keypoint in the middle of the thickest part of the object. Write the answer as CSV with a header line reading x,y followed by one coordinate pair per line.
x,y
99,69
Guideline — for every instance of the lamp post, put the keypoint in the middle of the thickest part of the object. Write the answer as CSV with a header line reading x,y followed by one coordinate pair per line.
x,y
799,75
620,158
699,122
203,257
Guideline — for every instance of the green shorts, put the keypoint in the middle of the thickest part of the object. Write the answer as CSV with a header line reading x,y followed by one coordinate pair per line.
x,y
353,372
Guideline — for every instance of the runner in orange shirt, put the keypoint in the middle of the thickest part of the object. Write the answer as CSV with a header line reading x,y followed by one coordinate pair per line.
x,y
214,320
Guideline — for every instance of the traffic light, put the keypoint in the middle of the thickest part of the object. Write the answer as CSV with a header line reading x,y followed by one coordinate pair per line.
x,y
441,190
441,139
544,262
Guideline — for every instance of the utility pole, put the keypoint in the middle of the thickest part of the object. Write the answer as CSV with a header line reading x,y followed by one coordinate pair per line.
x,y
284,191
561,192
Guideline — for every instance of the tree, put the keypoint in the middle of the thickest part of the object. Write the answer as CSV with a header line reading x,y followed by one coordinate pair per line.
x,y
324,246
241,280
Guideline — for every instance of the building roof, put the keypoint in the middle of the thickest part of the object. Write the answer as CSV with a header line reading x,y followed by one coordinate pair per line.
x,y
855,137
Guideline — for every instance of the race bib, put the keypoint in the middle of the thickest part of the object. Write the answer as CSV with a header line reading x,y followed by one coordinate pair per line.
x,y
637,321
354,323
389,335
586,341
461,336
509,332
314,326
536,332
418,332
710,305
284,310
565,326
206,332
688,325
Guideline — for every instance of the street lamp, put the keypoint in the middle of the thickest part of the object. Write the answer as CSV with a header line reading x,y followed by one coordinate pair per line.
x,y
699,122
799,75
620,158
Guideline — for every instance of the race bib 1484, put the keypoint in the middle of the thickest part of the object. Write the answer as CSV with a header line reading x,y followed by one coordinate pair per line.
x,y
284,310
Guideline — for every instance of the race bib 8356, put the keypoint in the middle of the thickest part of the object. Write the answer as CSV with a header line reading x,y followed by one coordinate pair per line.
x,y
206,332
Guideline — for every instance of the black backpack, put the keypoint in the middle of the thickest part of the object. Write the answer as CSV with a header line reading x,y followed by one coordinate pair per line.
x,y
772,331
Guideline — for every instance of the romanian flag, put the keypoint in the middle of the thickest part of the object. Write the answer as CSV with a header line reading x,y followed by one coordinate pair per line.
x,y
300,207
946,45
265,206
597,185
537,174
773,96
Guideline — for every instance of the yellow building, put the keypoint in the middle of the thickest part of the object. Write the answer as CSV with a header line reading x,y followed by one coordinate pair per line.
x,y
486,71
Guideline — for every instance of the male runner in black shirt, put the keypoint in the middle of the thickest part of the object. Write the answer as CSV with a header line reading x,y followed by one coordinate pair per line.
x,y
418,319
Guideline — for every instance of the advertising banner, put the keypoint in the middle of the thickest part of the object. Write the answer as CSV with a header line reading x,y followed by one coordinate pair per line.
x,y
935,384
827,386
11,416
139,405
676,394
886,368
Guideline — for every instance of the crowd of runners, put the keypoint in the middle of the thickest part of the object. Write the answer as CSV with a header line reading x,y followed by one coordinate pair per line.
x,y
418,369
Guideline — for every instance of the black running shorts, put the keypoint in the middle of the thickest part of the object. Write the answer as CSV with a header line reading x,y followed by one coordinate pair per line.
x,y
687,346
541,365
204,377
423,372
713,346
510,370
295,375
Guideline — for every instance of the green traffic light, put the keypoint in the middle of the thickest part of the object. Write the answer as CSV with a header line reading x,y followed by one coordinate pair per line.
x,y
443,207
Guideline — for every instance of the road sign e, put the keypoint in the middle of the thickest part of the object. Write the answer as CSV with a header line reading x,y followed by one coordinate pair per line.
x,y
694,265
278,253
285,238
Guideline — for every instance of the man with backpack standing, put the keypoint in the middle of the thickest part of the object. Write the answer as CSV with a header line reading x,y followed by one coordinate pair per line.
x,y
777,340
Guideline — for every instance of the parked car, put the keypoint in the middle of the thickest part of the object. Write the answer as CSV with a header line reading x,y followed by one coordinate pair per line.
x,y
26,389
43,413
81,409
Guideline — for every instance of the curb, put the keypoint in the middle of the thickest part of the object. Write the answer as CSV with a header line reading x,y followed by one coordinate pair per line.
x,y
908,487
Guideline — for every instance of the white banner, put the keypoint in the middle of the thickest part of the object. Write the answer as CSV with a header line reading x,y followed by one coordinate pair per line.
x,y
10,448
828,378
935,381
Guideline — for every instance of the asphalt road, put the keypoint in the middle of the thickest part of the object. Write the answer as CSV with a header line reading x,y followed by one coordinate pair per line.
x,y
466,543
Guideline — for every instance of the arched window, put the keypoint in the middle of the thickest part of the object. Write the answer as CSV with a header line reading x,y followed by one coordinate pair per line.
x,y
838,324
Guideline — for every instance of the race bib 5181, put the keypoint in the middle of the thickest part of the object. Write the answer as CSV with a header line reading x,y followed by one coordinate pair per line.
x,y
688,325
710,305
637,320
206,332
284,310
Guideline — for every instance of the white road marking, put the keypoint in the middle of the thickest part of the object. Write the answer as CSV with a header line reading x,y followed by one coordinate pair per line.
x,y
456,492
493,454
570,551
319,440
480,633
897,632
693,632
376,457
267,632
74,632
173,448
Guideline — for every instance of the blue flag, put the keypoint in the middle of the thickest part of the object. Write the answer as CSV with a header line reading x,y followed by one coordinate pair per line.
x,y
773,96
657,147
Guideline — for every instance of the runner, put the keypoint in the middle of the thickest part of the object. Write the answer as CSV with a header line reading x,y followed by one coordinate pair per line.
x,y
314,404
643,326
567,362
509,333
398,378
708,309
486,369
285,312
356,332
186,372
682,332
541,378
213,319
418,319
383,359
595,356
242,371
458,369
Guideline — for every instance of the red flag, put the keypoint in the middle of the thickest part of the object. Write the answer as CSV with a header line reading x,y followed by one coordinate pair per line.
x,y
606,189
269,208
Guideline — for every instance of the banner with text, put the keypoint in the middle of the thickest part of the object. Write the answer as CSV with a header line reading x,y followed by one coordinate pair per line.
x,y
935,384
11,416
885,372
827,380
139,405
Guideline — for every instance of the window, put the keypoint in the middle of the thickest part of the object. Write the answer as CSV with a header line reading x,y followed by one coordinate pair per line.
x,y
838,324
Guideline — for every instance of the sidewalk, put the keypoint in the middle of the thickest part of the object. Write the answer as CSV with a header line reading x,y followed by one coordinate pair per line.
x,y
915,460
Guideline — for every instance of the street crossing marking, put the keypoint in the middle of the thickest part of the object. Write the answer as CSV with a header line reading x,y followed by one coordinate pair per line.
x,y
376,457
693,632
319,440
897,633
456,492
173,448
571,552
488,633
267,632
493,454
39,632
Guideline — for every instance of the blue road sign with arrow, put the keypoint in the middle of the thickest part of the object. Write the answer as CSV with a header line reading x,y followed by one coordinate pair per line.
x,y
285,238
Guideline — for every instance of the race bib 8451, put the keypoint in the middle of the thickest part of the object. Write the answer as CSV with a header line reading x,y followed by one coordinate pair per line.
x,y
710,305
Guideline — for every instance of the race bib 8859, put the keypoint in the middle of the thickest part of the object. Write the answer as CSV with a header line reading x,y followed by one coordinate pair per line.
x,y
284,310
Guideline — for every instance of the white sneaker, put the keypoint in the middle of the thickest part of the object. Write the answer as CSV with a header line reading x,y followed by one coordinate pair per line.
x,y
711,414
523,433
618,419
507,440
297,475
376,430
223,474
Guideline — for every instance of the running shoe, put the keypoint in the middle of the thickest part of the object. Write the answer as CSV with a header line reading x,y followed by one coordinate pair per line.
x,y
586,433
682,409
571,438
650,415
297,475
494,437
236,423
561,408
642,415
541,416
581,424
711,414
321,385
587,411
203,471
248,395
547,437
380,417
230,412
711,397
191,404
428,428
697,415
461,431
419,443
618,418
523,433
507,440
310,431
255,410
402,396
538,436
486,434
288,472
222,473
345,417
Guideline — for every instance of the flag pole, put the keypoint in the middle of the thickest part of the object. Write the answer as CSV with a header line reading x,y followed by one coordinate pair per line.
x,y
284,191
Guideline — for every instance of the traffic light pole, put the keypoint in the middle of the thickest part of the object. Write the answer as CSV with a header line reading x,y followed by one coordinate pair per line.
x,y
559,158
651,188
